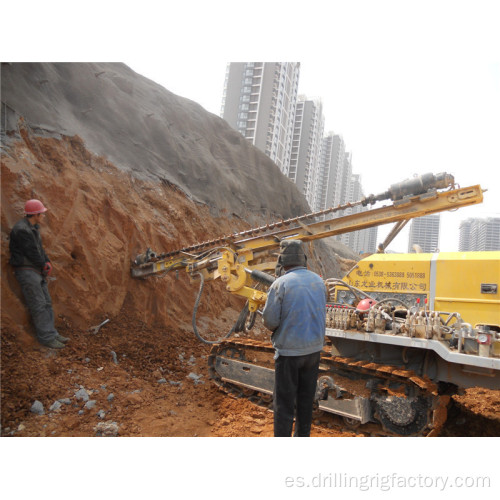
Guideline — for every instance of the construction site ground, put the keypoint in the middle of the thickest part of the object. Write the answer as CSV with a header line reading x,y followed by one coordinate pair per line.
x,y
140,381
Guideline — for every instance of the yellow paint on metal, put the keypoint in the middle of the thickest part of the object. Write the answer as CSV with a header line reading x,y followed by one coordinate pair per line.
x,y
392,273
458,285
459,277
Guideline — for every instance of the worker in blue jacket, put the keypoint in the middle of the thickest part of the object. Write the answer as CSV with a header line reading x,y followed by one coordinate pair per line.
x,y
295,311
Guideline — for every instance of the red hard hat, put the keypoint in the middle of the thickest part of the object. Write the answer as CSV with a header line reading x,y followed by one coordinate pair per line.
x,y
365,304
33,207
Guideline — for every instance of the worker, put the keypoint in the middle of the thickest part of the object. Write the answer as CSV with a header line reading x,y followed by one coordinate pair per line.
x,y
32,268
295,312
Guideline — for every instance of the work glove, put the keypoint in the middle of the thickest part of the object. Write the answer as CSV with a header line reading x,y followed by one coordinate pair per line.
x,y
47,269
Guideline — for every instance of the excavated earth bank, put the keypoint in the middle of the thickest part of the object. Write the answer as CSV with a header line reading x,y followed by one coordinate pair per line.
x,y
144,373
146,356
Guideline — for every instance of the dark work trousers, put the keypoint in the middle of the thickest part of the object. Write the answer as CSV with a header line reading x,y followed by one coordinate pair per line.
x,y
36,294
295,380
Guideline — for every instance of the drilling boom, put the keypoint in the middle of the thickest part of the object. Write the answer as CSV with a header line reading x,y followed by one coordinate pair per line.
x,y
233,257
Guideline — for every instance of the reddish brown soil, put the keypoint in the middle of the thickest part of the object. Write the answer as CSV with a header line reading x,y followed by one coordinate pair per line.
x,y
99,219
142,406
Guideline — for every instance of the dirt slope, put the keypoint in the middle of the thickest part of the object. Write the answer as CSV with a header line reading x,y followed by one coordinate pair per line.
x,y
145,130
99,218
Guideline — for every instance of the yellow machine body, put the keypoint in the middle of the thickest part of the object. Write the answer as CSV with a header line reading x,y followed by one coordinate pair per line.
x,y
463,282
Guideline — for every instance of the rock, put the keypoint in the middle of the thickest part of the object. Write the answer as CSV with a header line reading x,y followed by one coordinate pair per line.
x,y
90,404
192,360
20,428
56,405
134,399
101,413
82,394
106,429
115,358
174,382
65,401
111,396
196,378
37,408
162,381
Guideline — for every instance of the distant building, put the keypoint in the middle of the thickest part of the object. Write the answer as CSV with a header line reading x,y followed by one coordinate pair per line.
x,y
331,191
306,147
424,233
364,241
259,100
479,234
464,243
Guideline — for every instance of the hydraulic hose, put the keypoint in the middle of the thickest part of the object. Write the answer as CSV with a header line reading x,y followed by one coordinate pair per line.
x,y
196,305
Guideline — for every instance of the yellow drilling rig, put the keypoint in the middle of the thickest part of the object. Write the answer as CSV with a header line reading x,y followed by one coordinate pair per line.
x,y
403,331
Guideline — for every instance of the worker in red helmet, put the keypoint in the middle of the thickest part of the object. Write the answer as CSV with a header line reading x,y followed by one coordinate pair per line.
x,y
32,268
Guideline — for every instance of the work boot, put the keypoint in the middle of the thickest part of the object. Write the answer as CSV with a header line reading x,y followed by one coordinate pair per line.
x,y
62,339
54,344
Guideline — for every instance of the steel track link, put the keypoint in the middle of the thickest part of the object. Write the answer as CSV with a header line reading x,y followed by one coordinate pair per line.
x,y
424,388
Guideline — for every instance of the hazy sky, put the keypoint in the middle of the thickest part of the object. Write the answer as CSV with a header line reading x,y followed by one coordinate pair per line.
x,y
413,87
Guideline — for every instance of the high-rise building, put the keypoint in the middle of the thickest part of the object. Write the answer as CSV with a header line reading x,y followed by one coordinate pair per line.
x,y
363,241
259,101
424,234
465,244
478,234
330,191
306,147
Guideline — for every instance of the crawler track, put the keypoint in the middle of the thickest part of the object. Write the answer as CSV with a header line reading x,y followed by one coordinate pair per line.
x,y
402,403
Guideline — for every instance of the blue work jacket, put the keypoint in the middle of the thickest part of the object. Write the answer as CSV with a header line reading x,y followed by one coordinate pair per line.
x,y
296,312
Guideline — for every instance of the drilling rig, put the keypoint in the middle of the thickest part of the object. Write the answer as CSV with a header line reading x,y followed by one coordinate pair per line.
x,y
404,332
